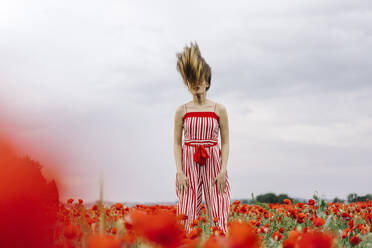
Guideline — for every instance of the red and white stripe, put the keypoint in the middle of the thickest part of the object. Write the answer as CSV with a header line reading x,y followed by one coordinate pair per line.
x,y
202,128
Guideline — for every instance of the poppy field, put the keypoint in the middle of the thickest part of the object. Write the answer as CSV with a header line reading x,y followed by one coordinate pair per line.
x,y
316,223
33,216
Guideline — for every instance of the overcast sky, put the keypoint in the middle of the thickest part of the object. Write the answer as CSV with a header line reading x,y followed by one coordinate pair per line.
x,y
94,83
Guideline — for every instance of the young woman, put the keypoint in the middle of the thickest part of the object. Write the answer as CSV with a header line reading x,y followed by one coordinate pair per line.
x,y
201,164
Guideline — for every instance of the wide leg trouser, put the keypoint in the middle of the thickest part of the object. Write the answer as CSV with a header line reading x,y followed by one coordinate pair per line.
x,y
201,180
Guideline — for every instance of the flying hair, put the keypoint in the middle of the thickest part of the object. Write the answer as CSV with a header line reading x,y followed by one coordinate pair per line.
x,y
192,66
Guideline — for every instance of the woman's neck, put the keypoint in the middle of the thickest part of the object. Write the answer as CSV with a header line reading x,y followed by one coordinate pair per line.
x,y
199,100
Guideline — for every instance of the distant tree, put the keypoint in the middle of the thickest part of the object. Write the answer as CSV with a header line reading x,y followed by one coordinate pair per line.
x,y
364,198
295,201
368,197
281,197
267,198
353,197
338,200
272,198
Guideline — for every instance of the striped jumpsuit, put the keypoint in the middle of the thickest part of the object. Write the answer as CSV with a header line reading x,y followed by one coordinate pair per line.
x,y
201,162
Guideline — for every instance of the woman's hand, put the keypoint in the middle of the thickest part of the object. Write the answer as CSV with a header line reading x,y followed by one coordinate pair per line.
x,y
183,181
220,179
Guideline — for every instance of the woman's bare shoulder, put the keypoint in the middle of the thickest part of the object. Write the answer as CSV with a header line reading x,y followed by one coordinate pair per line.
x,y
221,109
180,110
220,106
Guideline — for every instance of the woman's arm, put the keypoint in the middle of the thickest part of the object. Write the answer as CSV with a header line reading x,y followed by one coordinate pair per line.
x,y
178,123
224,129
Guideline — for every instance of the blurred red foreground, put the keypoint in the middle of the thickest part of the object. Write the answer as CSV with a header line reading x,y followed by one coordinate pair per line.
x,y
28,203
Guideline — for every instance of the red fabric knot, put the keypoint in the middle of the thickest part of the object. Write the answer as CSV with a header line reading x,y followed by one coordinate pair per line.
x,y
201,155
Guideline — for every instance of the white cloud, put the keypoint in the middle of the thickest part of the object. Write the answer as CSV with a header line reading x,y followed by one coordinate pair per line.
x,y
96,81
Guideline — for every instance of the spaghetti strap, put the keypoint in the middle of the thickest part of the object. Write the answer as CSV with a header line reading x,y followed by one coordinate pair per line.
x,y
185,108
215,107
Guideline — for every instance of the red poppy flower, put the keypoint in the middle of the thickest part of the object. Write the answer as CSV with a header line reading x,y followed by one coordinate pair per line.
x,y
161,228
194,223
70,231
311,202
344,234
351,224
318,221
118,206
243,235
362,228
195,233
299,205
355,240
215,242
182,217
292,239
101,240
276,236
316,238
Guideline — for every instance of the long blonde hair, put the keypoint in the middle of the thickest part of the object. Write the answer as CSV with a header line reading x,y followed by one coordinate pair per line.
x,y
192,66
